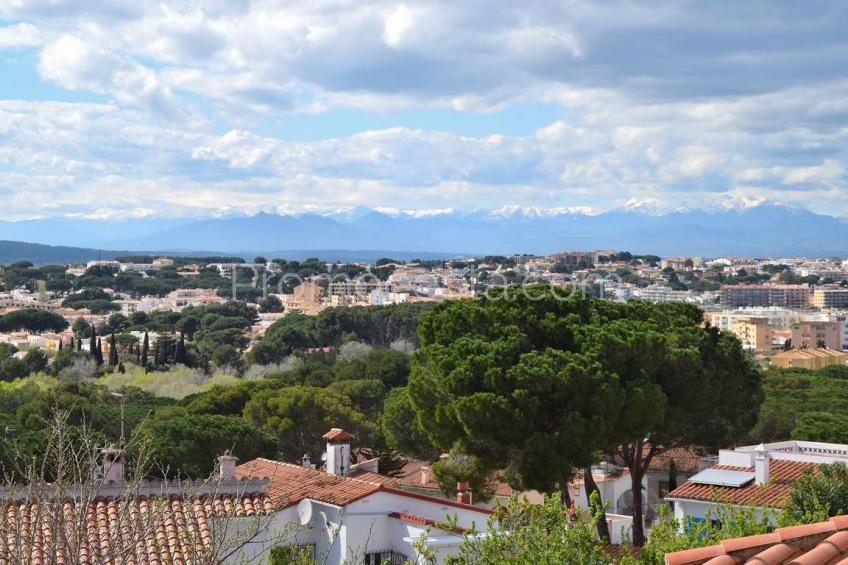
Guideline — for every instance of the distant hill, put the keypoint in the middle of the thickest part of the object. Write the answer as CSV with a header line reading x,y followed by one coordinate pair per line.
x,y
14,251
750,229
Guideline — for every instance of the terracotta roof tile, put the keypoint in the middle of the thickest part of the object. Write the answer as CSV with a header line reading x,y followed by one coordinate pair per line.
x,y
140,530
337,434
686,460
809,544
418,475
292,483
773,494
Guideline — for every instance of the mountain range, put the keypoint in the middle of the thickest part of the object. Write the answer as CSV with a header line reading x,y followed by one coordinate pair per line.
x,y
750,229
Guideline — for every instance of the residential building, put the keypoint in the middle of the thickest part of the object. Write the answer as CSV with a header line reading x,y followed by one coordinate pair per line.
x,y
830,297
575,258
758,476
657,293
114,265
677,263
822,334
811,358
786,296
756,334
361,518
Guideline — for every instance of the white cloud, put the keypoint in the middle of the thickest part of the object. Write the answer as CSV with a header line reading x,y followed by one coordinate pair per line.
x,y
679,102
19,35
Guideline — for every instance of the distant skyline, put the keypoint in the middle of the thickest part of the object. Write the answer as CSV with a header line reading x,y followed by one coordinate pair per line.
x,y
116,109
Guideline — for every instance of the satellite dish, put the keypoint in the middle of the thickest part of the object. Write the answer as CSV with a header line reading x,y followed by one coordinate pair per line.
x,y
304,511
324,457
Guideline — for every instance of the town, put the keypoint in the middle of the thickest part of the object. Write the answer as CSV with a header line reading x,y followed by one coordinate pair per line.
x,y
790,312
210,353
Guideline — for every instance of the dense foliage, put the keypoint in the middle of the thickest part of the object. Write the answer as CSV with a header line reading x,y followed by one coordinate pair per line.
x,y
539,383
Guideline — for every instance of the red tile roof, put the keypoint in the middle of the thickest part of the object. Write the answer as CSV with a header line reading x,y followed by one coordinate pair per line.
x,y
686,460
289,484
140,530
419,475
810,544
337,434
772,494
292,483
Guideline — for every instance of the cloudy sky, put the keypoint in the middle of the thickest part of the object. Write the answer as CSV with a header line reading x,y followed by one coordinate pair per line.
x,y
132,108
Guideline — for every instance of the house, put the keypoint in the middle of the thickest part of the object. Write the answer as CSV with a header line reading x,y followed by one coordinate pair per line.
x,y
614,483
758,476
814,358
349,513
813,544
248,510
108,520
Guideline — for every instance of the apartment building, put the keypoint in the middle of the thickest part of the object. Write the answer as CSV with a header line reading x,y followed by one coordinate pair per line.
x,y
756,334
821,334
677,263
786,296
827,298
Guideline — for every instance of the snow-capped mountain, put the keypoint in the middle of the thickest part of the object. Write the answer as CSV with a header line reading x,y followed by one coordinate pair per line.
x,y
724,227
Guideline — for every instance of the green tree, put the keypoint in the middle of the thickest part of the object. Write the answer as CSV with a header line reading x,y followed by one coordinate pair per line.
x,y
145,349
36,361
821,426
463,468
298,417
271,304
113,351
188,445
524,533
400,426
817,496
567,377
502,379
32,320
675,376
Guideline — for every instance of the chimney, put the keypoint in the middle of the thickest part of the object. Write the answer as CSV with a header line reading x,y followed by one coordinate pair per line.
x,y
338,452
761,465
305,461
227,467
113,465
463,493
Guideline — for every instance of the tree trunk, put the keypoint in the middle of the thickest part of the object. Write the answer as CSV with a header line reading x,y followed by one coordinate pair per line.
x,y
565,496
636,489
638,456
591,486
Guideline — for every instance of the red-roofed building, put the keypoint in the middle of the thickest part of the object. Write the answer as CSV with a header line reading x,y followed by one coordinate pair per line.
x,y
362,518
755,476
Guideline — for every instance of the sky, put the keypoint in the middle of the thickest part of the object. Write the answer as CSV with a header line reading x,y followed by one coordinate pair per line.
x,y
116,109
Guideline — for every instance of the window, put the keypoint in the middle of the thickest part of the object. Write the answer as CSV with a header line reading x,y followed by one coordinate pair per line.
x,y
662,489
387,557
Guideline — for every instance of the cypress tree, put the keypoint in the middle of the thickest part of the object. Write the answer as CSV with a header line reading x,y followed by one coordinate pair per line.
x,y
60,343
113,351
99,352
156,354
92,343
145,349
179,354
